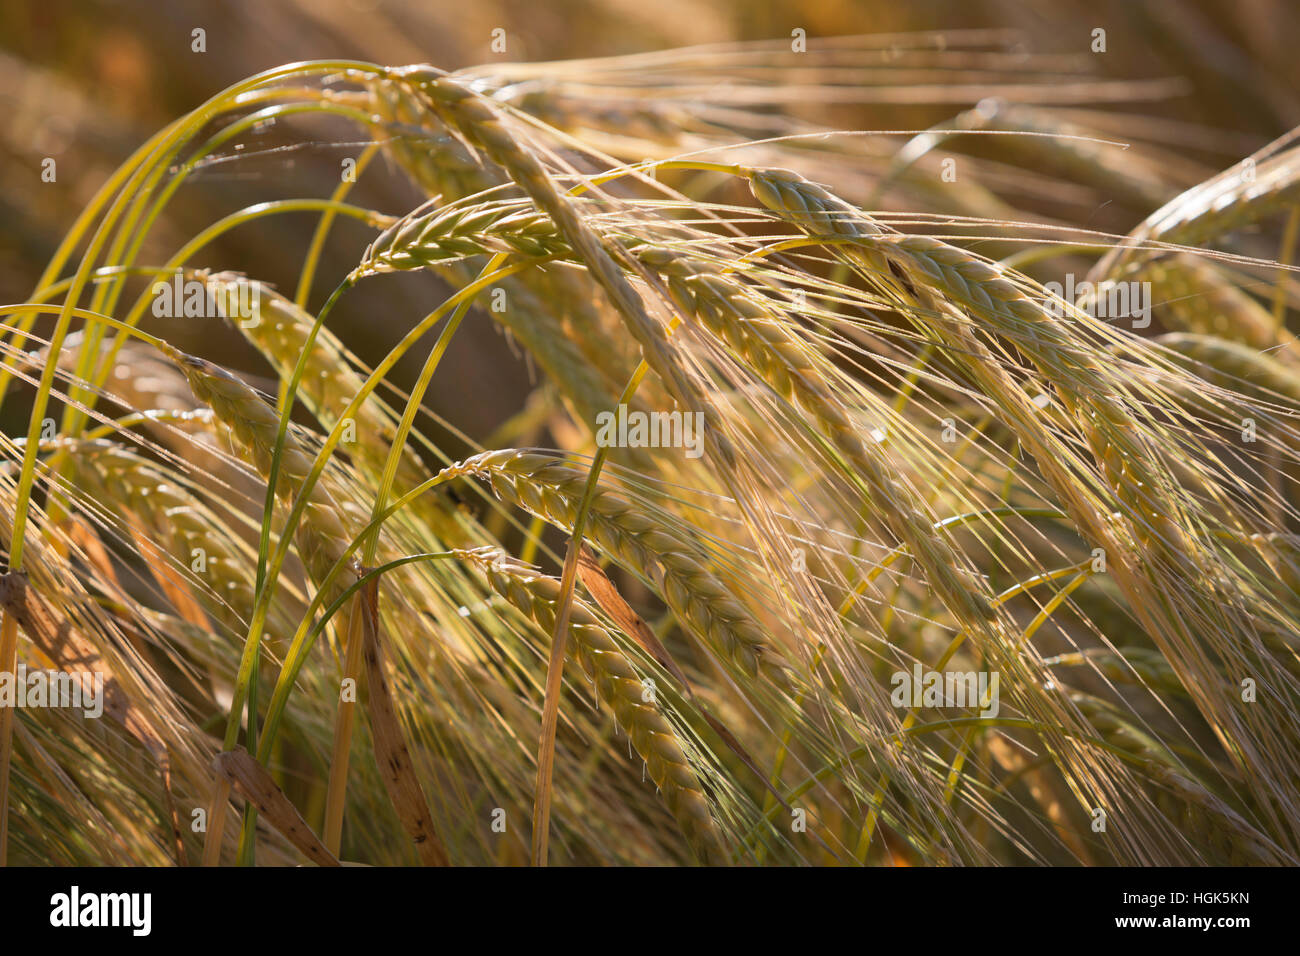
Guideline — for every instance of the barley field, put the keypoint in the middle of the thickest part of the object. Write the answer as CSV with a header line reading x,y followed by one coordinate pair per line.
x,y
872,443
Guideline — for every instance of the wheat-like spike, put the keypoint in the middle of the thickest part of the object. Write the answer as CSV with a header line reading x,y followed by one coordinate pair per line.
x,y
422,145
1070,147
698,287
279,330
589,381
933,275
179,520
1128,665
1194,296
253,424
1197,811
1229,202
621,687
441,238
480,123
1136,480
1236,198
642,118
442,166
726,308
1230,363
930,271
139,378
810,206
450,233
554,313
551,489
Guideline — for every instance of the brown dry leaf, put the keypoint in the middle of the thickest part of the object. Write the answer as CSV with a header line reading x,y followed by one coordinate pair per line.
x,y
256,786
391,751
606,596
178,591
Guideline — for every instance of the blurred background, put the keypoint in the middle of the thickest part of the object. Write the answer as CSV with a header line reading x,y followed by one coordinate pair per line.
x,y
86,82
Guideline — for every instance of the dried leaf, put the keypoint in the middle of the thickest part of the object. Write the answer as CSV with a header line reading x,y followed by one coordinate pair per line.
x,y
256,786
606,596
391,751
